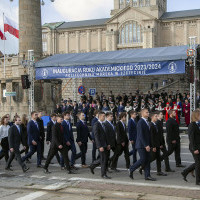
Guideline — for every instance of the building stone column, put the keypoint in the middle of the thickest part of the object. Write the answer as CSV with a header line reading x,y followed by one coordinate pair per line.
x,y
77,41
108,41
49,42
88,41
173,39
185,32
198,31
114,41
116,4
67,41
99,40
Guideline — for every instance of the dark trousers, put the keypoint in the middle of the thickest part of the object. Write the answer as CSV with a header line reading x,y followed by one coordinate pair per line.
x,y
42,147
156,156
83,149
134,153
16,154
143,161
102,160
25,150
118,152
5,149
33,149
165,157
189,169
53,151
197,167
176,148
94,149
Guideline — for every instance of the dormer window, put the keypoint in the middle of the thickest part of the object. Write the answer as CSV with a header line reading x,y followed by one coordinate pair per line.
x,y
121,4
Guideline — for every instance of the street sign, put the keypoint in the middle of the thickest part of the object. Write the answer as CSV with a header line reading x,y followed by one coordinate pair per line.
x,y
81,89
10,94
92,91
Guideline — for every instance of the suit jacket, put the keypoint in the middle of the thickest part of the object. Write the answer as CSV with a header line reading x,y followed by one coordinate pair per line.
x,y
82,132
41,127
121,133
155,138
110,134
160,132
194,137
57,136
68,132
172,128
50,124
143,135
25,135
94,120
100,136
33,132
132,130
15,138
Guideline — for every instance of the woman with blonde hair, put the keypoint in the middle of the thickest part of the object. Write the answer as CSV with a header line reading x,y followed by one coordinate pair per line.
x,y
4,137
194,146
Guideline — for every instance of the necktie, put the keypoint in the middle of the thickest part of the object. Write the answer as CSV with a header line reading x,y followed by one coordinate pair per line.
x,y
18,129
69,126
103,126
198,125
36,125
156,127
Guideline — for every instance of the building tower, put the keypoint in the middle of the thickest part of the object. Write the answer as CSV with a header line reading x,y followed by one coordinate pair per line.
x,y
30,31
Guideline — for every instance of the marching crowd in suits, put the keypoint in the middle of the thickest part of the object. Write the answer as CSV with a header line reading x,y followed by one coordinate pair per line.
x,y
138,134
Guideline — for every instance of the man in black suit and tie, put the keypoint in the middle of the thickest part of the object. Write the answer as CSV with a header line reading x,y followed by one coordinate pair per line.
x,y
58,144
50,125
83,134
122,142
143,146
34,140
110,133
102,143
132,131
15,138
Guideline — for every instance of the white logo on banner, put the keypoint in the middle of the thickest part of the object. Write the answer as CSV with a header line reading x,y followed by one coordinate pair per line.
x,y
45,73
172,67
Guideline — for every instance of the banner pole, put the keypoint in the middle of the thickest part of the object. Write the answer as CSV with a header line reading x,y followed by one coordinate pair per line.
x,y
4,69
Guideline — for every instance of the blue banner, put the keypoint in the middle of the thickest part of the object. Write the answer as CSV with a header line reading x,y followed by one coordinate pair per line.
x,y
112,70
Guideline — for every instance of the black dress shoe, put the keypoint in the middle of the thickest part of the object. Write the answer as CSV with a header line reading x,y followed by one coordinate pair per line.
x,y
106,177
180,165
115,170
71,172
25,169
131,175
161,174
169,170
91,169
140,171
40,166
46,171
74,168
198,183
184,176
28,161
8,169
150,179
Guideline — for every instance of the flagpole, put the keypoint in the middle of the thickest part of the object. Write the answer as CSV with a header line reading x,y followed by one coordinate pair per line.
x,y
4,72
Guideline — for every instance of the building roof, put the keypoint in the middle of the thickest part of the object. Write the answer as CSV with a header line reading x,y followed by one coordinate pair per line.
x,y
53,25
85,23
181,14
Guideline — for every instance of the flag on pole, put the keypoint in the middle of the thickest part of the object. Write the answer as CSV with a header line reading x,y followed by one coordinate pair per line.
x,y
2,36
11,27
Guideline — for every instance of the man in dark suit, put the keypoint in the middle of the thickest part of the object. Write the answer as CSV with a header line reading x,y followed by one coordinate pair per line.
x,y
83,134
122,142
143,146
34,140
42,133
94,148
103,146
69,139
132,131
110,133
50,125
15,138
163,148
173,137
58,144
75,112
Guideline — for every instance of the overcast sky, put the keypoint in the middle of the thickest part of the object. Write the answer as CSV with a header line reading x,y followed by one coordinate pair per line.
x,y
71,10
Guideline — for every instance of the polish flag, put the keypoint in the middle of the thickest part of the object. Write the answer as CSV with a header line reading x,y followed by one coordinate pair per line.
x,y
2,36
11,27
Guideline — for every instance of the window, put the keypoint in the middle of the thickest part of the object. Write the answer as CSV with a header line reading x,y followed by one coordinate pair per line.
x,y
122,36
44,36
134,32
147,2
138,33
135,2
130,33
121,4
44,46
141,2
127,2
127,34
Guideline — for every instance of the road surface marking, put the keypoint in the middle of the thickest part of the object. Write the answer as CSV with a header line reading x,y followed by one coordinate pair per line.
x,y
54,186
32,196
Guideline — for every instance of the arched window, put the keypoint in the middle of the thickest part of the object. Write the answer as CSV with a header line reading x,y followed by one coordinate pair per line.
x,y
130,32
121,4
135,2
127,2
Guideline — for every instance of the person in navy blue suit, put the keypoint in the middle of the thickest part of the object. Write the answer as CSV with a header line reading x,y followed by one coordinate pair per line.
x,y
34,140
120,108
143,146
132,132
69,139
83,134
94,148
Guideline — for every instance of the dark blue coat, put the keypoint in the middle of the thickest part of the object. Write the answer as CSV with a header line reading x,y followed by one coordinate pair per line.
x,y
120,109
82,132
94,120
33,132
143,135
132,130
68,133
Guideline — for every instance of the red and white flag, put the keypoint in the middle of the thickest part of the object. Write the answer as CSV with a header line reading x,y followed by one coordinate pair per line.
x,y
2,36
11,27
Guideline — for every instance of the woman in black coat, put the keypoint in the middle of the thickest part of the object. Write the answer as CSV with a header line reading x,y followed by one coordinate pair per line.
x,y
194,146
